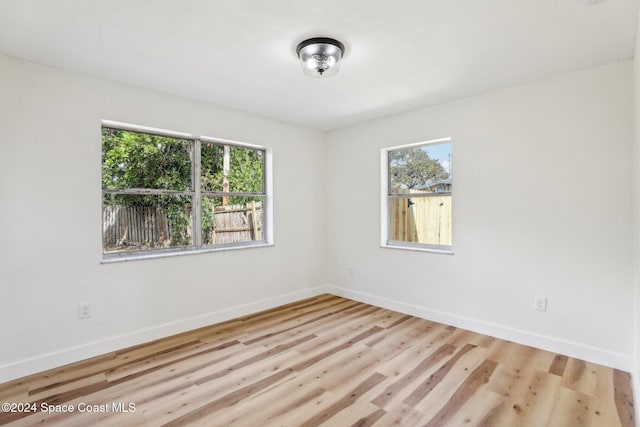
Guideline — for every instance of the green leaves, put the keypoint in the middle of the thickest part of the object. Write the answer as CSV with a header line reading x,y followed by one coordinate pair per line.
x,y
137,160
245,169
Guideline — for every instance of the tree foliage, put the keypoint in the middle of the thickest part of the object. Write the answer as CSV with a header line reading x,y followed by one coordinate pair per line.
x,y
413,167
245,169
138,160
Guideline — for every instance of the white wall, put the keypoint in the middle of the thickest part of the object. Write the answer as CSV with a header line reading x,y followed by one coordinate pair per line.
x,y
636,220
50,223
542,206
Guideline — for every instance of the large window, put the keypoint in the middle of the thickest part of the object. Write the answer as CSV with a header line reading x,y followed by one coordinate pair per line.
x,y
164,192
416,205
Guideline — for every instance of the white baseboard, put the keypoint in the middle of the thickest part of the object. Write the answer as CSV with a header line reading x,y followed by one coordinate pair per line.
x,y
56,359
63,357
555,345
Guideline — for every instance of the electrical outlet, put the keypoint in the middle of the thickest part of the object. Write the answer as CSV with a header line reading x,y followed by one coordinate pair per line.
x,y
540,303
84,311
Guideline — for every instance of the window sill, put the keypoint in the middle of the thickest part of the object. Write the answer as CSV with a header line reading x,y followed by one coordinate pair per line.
x,y
109,259
418,249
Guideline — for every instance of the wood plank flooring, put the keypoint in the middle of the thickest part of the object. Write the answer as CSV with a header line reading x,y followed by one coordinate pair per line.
x,y
326,361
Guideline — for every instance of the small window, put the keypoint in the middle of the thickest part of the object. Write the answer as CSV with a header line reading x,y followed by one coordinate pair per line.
x,y
163,193
417,196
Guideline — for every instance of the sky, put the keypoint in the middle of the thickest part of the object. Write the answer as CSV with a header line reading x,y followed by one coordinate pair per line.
x,y
440,152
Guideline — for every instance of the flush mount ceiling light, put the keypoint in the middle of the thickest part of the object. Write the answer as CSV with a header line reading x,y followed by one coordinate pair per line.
x,y
320,56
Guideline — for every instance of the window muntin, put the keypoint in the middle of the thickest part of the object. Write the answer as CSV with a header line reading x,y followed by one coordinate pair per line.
x,y
163,193
418,197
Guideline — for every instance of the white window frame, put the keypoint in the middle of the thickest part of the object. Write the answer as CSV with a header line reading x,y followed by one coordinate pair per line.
x,y
197,246
385,215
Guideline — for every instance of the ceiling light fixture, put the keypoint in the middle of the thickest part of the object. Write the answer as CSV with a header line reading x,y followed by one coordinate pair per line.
x,y
320,56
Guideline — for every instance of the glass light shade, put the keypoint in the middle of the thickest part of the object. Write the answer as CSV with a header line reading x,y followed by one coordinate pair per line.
x,y
320,57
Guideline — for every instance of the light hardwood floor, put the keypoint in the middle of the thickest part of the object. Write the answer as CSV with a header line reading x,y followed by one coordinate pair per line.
x,y
327,361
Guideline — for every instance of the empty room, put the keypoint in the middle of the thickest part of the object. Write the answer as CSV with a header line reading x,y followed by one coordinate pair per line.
x,y
339,213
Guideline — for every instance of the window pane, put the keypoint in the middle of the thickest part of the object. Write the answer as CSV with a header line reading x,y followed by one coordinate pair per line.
x,y
138,160
211,159
232,219
420,219
135,222
243,172
424,169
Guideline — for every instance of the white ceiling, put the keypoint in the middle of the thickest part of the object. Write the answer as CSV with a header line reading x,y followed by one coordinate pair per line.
x,y
400,54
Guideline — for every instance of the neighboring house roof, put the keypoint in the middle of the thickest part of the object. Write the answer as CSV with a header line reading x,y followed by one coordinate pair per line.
x,y
430,184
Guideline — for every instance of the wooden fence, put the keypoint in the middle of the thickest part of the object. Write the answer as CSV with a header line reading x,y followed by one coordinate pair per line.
x,y
141,226
427,220
236,223
124,227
